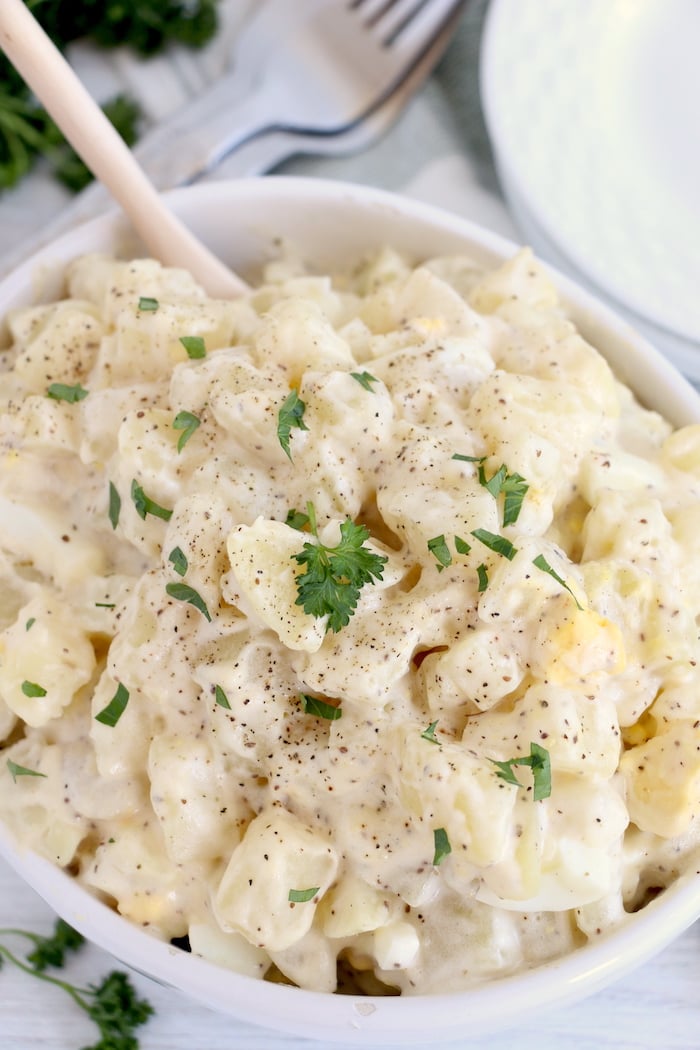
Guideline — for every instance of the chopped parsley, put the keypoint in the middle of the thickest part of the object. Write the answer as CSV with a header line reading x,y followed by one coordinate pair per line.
x,y
513,487
187,422
483,577
64,392
469,459
32,689
115,505
144,505
110,715
182,592
538,761
312,705
540,562
21,771
365,379
148,304
290,416
194,345
438,546
442,845
495,543
461,546
429,733
30,623
221,698
302,896
334,576
296,519
178,560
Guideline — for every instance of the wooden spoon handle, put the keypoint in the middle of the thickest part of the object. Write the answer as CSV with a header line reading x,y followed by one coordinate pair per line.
x,y
94,138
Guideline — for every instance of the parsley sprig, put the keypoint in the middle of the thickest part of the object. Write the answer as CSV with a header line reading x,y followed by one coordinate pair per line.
x,y
112,1005
334,576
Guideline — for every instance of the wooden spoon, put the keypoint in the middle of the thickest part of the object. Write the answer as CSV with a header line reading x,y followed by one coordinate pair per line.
x,y
106,154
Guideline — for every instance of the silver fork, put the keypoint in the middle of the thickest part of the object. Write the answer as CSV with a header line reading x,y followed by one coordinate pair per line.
x,y
334,66
307,67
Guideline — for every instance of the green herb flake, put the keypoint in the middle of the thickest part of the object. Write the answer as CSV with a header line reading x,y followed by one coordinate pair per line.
x,y
514,489
539,762
64,392
289,417
442,845
429,733
540,562
22,771
483,578
312,705
302,896
110,715
182,592
30,623
194,345
187,422
438,547
461,546
115,505
32,689
144,505
221,698
495,543
365,379
178,560
105,605
334,576
147,304
469,459
296,519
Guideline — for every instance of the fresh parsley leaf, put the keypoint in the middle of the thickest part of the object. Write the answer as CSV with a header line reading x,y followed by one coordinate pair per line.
x,y
290,416
30,623
194,345
365,379
497,544
21,771
483,577
144,505
110,715
312,705
105,605
112,1004
438,546
302,896
334,576
221,698
32,689
513,487
147,304
429,733
64,392
296,519
178,560
442,845
461,546
540,562
115,505
182,592
469,459
539,762
187,422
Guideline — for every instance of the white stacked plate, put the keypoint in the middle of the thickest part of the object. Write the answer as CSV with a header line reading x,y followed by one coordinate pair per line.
x,y
592,110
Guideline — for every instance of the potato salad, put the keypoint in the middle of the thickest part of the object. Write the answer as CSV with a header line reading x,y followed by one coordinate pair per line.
x,y
347,629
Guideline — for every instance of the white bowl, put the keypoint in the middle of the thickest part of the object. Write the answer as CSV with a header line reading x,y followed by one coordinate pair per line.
x,y
334,223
